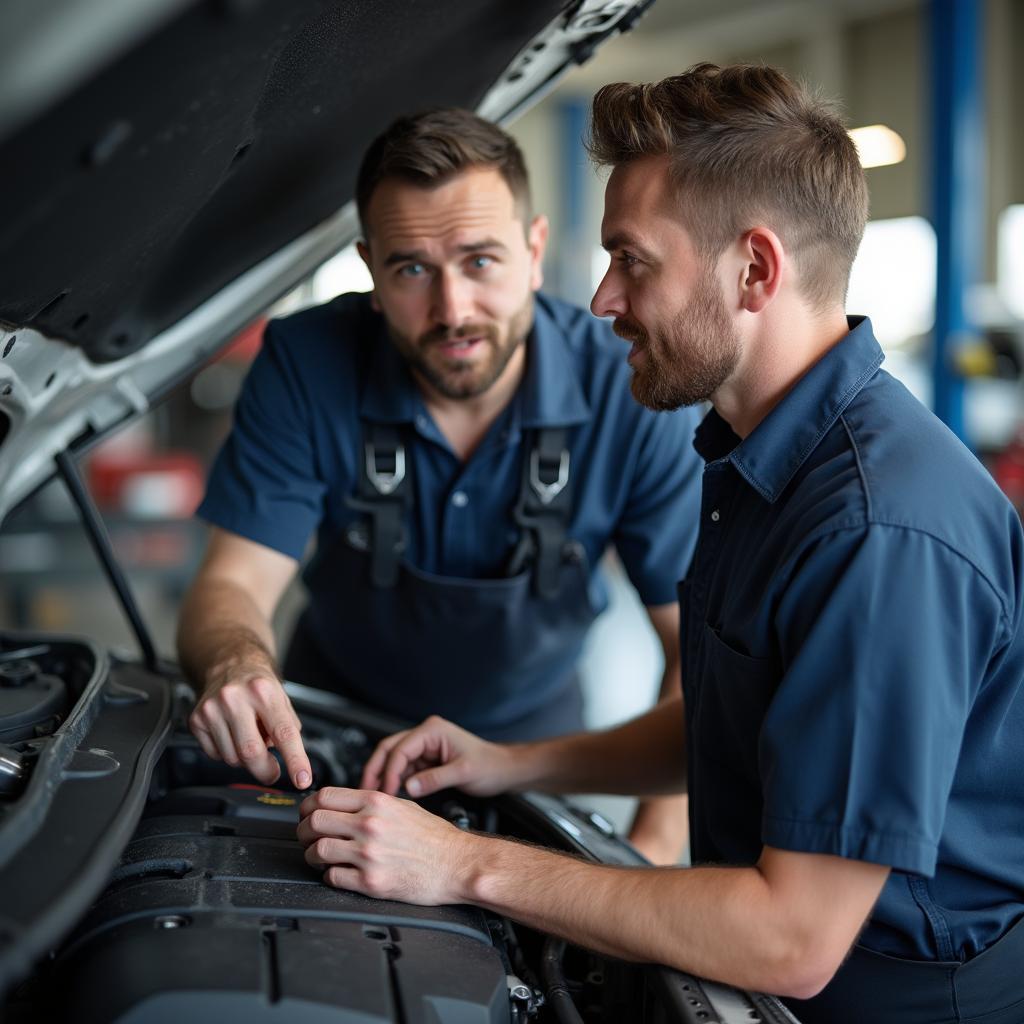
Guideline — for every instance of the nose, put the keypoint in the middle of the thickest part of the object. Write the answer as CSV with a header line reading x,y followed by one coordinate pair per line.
x,y
609,299
453,299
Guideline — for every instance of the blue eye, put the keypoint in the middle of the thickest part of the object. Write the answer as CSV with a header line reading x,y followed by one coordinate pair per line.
x,y
412,270
481,262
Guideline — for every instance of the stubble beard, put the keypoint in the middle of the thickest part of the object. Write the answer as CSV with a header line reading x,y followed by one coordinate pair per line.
x,y
466,378
688,361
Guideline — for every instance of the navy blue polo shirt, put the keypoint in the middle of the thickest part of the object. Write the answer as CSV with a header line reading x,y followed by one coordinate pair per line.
x,y
854,654
292,458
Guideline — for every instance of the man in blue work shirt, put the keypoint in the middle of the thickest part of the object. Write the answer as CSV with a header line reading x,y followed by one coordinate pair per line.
x,y
852,617
464,450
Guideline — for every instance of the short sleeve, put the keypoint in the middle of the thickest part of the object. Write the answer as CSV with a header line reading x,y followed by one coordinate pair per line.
x,y
265,484
885,635
657,531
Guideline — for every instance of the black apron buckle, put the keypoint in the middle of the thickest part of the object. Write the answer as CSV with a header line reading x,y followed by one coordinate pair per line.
x,y
542,511
383,489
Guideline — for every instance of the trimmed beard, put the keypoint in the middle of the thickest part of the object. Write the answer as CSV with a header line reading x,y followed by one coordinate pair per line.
x,y
465,379
688,361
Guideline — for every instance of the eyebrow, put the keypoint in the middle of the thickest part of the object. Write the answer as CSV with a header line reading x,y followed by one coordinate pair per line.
x,y
418,255
623,240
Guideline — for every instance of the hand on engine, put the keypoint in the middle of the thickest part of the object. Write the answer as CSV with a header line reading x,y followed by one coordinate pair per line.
x,y
435,755
384,847
240,719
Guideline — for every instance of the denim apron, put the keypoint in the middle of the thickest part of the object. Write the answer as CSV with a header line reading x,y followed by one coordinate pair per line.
x,y
488,654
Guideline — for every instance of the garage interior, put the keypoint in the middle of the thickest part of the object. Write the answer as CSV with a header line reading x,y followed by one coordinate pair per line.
x,y
930,90
957,346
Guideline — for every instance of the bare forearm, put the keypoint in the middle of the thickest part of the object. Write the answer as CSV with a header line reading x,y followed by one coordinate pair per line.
x,y
643,756
222,629
719,923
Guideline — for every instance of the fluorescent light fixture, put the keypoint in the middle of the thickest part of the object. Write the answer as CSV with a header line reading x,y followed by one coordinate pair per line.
x,y
878,145
903,250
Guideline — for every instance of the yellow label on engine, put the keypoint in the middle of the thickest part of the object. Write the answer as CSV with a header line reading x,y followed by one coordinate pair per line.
x,y
275,801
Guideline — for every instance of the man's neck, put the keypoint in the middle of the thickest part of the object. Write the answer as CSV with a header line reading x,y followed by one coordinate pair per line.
x,y
464,422
773,362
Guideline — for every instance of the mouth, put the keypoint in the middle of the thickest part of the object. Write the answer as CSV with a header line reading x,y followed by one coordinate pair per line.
x,y
636,353
461,348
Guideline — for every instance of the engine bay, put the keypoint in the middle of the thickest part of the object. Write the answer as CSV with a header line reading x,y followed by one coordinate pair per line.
x,y
144,882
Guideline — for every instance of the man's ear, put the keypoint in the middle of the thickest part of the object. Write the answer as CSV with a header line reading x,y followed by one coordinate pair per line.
x,y
363,249
537,242
764,265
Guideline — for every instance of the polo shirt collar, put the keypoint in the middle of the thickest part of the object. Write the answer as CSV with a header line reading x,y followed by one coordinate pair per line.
x,y
550,394
780,444
551,389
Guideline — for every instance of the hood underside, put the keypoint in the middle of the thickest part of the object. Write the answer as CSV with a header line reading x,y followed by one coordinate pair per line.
x,y
161,194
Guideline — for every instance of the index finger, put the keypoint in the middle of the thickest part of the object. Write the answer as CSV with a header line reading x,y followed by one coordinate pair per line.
x,y
287,737
394,760
373,768
418,745
282,725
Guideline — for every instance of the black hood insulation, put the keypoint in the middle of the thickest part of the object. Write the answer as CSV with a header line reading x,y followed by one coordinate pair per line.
x,y
235,128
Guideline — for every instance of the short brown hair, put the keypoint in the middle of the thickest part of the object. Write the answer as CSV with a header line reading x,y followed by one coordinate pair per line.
x,y
430,148
746,142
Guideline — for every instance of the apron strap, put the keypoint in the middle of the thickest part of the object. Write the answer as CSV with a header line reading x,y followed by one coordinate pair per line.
x,y
543,509
384,488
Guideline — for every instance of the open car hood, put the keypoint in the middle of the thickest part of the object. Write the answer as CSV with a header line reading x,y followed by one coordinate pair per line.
x,y
171,168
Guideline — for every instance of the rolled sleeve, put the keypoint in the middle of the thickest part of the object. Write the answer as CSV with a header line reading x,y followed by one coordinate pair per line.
x,y
265,484
884,636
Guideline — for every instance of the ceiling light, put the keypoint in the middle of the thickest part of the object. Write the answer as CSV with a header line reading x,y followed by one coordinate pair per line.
x,y
878,145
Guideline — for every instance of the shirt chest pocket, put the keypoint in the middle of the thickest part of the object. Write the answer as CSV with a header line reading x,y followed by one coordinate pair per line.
x,y
734,693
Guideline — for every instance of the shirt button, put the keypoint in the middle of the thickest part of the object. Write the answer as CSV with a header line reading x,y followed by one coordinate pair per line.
x,y
460,499
715,516
421,422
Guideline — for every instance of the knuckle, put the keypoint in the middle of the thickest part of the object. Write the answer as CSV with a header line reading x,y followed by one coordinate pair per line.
x,y
376,801
250,750
318,820
375,881
285,732
230,695
323,848
201,715
262,687
373,828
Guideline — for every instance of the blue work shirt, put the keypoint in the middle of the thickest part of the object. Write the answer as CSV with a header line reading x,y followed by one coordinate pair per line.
x,y
853,654
292,459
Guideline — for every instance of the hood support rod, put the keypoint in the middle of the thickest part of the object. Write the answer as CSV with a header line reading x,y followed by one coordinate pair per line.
x,y
100,540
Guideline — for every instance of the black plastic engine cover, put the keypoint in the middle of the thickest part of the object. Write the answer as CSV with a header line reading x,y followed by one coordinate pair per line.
x,y
217,917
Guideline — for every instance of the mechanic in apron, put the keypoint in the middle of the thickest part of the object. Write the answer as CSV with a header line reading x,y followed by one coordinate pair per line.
x,y
476,651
